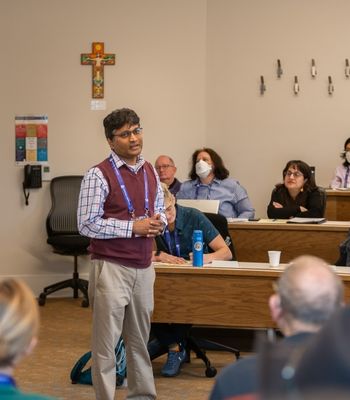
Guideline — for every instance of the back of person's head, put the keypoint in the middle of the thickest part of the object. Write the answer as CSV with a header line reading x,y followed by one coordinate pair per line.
x,y
19,321
325,364
117,119
305,169
309,292
318,369
220,171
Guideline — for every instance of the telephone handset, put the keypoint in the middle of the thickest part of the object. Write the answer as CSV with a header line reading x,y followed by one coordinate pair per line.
x,y
32,179
32,176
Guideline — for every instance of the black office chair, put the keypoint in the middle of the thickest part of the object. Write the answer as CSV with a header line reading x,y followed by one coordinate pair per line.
x,y
323,194
63,235
344,250
220,223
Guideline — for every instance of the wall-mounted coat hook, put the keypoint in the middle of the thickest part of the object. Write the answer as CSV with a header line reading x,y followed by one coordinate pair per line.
x,y
296,87
347,68
313,68
330,85
279,69
262,85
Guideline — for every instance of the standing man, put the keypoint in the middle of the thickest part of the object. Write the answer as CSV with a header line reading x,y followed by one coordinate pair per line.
x,y
121,208
166,169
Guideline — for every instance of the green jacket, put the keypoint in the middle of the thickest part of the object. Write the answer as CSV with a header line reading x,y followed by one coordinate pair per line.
x,y
9,392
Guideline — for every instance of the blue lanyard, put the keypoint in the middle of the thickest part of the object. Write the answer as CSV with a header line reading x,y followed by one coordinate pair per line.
x,y
167,238
128,201
7,380
346,177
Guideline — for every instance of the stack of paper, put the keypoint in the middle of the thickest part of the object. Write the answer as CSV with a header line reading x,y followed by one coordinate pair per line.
x,y
297,220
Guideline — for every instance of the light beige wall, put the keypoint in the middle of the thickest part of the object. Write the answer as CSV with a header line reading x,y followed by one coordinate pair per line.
x,y
160,72
191,69
257,135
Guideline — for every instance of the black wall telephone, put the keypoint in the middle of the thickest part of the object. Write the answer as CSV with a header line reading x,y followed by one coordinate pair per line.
x,y
32,176
32,179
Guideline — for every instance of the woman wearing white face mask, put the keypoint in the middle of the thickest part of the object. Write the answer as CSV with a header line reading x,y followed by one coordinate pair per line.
x,y
341,177
209,180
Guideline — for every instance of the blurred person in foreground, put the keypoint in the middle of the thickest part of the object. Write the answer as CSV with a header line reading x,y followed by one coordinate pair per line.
x,y
19,328
306,295
318,371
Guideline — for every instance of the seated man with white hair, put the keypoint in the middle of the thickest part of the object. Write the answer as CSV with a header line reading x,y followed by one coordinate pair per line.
x,y
165,166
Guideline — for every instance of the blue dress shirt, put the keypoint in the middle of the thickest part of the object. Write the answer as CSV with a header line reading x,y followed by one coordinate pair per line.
x,y
234,201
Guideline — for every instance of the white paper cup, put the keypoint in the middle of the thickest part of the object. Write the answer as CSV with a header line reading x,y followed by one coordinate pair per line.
x,y
274,257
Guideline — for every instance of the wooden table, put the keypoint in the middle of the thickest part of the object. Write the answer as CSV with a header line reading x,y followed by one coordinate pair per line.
x,y
230,297
338,205
252,240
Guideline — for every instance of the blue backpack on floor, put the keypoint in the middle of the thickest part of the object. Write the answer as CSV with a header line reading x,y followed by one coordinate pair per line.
x,y
77,374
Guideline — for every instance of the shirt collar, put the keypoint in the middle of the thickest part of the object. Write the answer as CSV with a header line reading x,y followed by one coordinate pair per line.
x,y
197,182
119,162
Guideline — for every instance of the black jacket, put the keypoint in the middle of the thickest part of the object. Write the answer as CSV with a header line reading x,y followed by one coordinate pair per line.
x,y
313,201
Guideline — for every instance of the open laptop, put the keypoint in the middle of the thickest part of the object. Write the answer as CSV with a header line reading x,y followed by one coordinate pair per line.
x,y
209,206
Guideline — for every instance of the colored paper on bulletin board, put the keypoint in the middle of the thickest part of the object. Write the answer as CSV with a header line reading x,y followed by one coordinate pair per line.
x,y
31,138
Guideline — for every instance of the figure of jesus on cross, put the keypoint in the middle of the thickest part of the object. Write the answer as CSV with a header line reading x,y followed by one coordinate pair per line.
x,y
98,59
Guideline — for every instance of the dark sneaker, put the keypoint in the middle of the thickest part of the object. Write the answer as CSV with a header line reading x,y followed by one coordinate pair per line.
x,y
156,349
173,365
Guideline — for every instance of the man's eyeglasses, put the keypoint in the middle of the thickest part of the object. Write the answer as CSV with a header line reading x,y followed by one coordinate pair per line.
x,y
127,134
166,166
296,174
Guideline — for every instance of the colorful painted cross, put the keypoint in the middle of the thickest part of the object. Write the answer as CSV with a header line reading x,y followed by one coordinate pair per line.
x,y
98,59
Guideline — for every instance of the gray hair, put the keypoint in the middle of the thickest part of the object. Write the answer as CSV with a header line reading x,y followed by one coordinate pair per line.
x,y
309,290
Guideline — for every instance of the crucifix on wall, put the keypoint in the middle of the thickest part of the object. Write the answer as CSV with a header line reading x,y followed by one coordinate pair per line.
x,y
98,59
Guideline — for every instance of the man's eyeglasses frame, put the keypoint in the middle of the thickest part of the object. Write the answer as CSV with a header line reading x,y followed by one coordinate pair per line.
x,y
127,134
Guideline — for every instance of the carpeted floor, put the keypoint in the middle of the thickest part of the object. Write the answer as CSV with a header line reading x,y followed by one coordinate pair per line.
x,y
65,336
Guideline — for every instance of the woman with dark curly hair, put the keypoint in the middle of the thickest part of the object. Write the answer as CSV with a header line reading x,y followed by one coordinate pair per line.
x,y
341,177
298,195
210,181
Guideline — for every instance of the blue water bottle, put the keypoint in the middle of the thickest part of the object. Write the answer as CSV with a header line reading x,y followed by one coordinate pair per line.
x,y
197,241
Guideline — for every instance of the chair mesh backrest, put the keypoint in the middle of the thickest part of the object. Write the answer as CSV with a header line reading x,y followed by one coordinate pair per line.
x,y
323,199
220,223
62,218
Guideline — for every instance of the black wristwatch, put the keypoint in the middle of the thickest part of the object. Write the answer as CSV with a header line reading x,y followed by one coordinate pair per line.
x,y
157,253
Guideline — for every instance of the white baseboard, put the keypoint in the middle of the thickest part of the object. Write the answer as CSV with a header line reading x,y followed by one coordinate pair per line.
x,y
38,282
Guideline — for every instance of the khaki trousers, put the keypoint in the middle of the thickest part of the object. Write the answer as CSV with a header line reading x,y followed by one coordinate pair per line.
x,y
122,302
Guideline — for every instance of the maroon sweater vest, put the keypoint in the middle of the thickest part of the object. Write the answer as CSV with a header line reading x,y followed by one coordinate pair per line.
x,y
135,251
